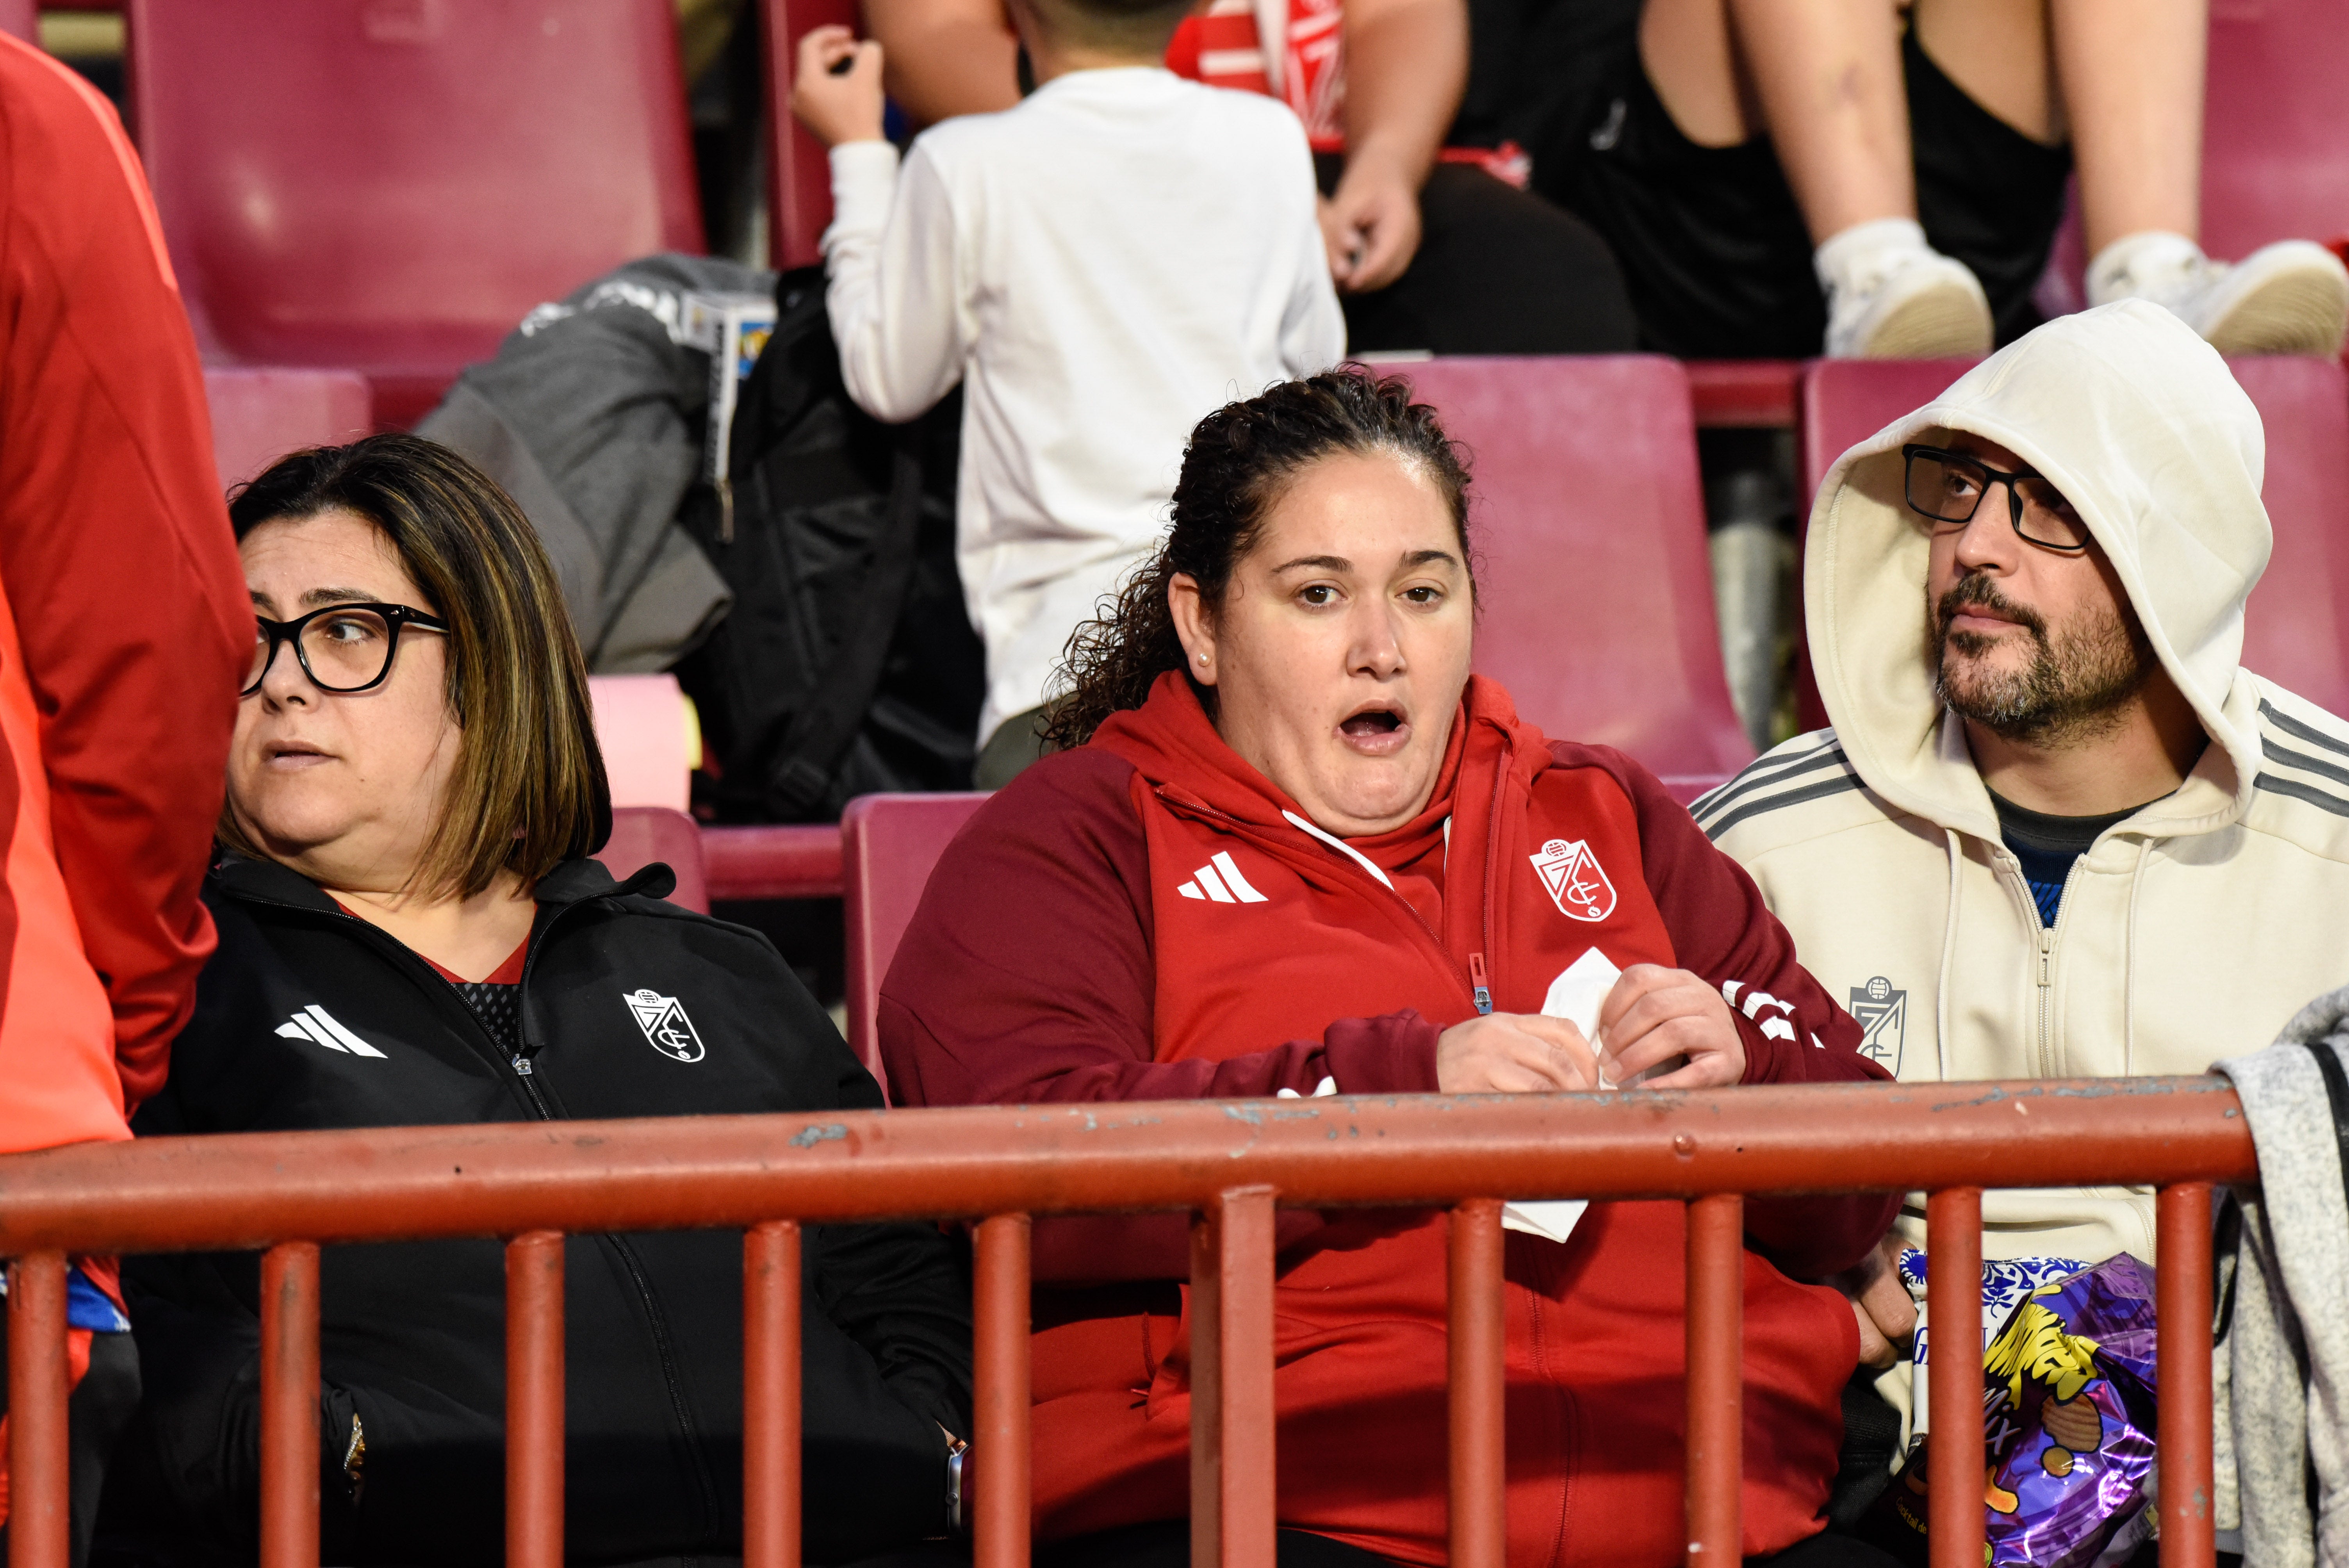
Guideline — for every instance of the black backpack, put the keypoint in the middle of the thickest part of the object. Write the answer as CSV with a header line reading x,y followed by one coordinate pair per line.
x,y
847,666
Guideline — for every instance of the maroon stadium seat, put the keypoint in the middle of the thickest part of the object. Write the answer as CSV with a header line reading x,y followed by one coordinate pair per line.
x,y
390,185
2294,633
643,834
888,843
2275,143
20,19
1598,594
799,170
259,415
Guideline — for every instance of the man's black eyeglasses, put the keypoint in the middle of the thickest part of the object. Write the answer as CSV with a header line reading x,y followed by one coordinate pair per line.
x,y
344,648
1948,487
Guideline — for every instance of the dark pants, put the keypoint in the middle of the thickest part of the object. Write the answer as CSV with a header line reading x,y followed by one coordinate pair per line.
x,y
96,1410
1498,271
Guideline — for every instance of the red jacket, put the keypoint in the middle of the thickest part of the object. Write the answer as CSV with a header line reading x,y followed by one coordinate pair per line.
x,y
1069,947
124,622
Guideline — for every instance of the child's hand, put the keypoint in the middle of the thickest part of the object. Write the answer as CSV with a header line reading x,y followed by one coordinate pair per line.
x,y
838,94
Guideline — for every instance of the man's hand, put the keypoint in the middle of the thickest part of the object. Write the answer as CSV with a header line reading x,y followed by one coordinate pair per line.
x,y
1513,1053
1370,226
837,95
1888,1316
1654,1014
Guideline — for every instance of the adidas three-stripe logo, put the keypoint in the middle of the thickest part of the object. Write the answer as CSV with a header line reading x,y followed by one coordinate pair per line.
x,y
317,1025
1220,880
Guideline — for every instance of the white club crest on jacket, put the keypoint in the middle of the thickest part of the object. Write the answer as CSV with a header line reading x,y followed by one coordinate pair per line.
x,y
666,1027
1576,882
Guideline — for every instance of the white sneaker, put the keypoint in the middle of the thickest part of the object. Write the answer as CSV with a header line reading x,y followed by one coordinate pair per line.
x,y
1892,296
2290,298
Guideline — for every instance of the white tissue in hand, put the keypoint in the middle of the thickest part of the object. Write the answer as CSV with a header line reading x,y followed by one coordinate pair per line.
x,y
1580,990
1576,996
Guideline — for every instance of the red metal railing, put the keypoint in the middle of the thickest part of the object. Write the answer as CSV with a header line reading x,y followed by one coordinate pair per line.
x,y
1230,1163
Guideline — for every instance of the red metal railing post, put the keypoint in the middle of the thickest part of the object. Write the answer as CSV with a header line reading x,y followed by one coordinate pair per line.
x,y
1716,1323
1206,1392
534,1400
1480,1521
1953,1360
2183,1437
289,1406
40,1518
771,1395
998,1449
1236,1527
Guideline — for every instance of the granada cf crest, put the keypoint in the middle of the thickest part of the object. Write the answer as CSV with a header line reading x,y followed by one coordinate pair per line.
x,y
666,1028
1576,883
1882,1013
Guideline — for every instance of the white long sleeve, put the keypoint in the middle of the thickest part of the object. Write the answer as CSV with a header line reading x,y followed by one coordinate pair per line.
x,y
1102,267
894,291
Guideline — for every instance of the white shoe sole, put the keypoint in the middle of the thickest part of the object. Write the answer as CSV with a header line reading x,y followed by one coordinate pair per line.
x,y
1943,321
2290,298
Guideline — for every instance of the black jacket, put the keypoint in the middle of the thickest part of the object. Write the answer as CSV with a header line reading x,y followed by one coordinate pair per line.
x,y
412,1335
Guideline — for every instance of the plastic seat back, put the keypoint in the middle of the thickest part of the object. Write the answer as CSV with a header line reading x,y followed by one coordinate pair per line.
x,y
1589,520
390,185
259,415
2275,144
799,170
643,834
648,732
2293,631
20,20
889,843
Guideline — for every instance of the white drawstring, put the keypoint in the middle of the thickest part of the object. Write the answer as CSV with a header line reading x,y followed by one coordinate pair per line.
x,y
1949,954
1343,846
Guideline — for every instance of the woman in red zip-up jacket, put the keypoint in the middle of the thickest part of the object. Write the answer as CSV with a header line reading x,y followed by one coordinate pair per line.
x,y
1291,846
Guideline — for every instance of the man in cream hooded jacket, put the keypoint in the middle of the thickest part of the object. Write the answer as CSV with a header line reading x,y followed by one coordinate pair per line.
x,y
2189,931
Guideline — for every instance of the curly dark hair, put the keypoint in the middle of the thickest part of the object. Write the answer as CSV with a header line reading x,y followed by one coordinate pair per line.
x,y
1238,460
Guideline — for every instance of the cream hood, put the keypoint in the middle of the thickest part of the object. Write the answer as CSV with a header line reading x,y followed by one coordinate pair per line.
x,y
2140,423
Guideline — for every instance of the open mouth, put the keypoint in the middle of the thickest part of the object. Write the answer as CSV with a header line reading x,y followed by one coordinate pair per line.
x,y
294,753
1375,731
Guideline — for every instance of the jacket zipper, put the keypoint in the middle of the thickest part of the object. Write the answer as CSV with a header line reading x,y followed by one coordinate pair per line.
x,y
664,1345
2043,1042
527,1080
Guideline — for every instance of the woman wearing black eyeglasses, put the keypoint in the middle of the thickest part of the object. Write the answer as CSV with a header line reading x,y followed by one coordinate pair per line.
x,y
411,933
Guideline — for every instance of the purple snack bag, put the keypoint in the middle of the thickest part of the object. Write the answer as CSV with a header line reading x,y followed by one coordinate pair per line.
x,y
2069,1416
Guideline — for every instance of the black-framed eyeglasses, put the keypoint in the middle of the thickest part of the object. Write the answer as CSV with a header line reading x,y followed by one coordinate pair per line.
x,y
344,648
1948,487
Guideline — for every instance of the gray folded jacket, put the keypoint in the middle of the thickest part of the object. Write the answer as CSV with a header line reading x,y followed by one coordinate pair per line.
x,y
2283,1371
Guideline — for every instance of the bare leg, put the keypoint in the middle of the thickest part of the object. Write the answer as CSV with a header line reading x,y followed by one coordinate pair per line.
x,y
2122,78
1822,77
2132,81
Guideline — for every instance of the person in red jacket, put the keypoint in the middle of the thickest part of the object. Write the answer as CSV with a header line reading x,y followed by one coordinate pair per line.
x,y
1291,846
123,631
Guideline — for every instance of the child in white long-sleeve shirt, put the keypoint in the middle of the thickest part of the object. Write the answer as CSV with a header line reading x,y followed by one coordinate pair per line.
x,y
1100,267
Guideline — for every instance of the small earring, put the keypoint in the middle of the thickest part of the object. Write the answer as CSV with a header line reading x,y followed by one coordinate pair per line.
x,y
1203,658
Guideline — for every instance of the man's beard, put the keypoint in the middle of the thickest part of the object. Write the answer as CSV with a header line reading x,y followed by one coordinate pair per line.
x,y
2074,688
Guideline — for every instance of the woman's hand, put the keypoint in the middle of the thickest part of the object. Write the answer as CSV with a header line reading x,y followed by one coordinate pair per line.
x,y
1654,1014
837,95
1513,1053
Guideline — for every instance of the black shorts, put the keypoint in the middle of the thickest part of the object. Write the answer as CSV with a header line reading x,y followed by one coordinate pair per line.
x,y
1714,248
1498,271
